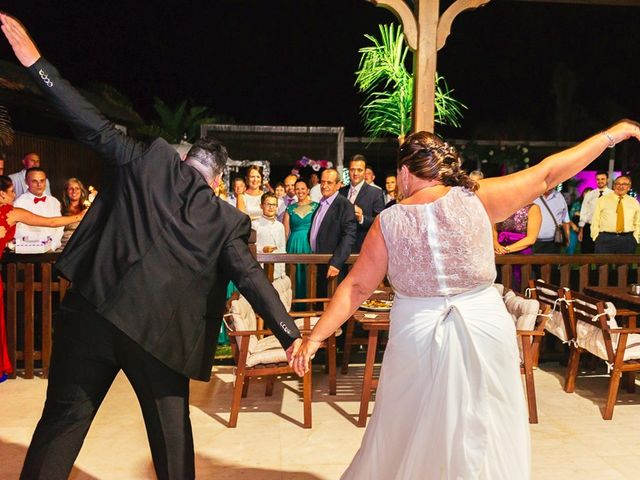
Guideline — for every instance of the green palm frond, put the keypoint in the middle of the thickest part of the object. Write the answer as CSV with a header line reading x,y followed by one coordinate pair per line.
x,y
383,77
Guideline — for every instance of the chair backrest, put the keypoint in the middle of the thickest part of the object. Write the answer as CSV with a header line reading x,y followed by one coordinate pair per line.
x,y
593,320
547,294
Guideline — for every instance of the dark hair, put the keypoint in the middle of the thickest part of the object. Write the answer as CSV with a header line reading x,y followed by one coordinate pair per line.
x,y
359,158
238,179
429,157
66,202
602,172
302,180
34,169
267,195
5,182
279,184
208,156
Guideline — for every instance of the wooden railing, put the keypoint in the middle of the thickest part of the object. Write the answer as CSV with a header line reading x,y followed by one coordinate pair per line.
x,y
32,292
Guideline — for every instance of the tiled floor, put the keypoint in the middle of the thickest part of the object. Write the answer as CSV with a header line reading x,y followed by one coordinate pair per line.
x,y
571,439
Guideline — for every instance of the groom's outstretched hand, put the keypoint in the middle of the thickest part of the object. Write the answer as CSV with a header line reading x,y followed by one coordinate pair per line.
x,y
24,48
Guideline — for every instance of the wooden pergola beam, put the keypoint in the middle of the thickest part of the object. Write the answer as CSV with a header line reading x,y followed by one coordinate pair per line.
x,y
612,3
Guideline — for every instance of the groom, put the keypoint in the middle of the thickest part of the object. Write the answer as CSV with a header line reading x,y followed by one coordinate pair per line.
x,y
149,266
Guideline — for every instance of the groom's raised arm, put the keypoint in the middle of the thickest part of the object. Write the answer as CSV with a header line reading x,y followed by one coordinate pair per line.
x,y
87,123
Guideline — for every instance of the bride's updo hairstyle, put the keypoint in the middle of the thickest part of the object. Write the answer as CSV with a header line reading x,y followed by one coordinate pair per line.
x,y
428,157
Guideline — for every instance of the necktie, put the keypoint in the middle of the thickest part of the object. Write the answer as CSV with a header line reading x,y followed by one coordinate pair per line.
x,y
352,195
601,192
41,199
619,216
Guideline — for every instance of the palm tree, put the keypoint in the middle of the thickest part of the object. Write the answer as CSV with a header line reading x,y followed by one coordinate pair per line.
x,y
383,76
7,134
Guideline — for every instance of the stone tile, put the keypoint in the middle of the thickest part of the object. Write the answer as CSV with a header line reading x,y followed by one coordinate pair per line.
x,y
268,444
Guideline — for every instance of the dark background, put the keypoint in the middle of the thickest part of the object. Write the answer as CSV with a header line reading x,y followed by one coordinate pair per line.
x,y
292,62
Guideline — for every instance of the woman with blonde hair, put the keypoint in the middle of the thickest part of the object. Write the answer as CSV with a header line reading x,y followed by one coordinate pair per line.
x,y
75,199
450,402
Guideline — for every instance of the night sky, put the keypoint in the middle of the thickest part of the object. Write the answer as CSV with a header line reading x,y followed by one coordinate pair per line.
x,y
292,62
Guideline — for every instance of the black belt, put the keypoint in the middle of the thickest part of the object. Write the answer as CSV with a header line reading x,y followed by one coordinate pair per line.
x,y
618,234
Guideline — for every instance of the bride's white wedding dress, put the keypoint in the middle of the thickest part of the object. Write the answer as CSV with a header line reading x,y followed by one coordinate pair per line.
x,y
450,403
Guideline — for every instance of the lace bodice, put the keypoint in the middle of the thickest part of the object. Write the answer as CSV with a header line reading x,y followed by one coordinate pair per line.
x,y
441,248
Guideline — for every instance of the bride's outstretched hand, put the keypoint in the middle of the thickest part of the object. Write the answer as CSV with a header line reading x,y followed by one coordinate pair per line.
x,y
623,130
302,358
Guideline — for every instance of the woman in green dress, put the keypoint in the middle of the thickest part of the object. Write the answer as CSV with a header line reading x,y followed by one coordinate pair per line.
x,y
297,223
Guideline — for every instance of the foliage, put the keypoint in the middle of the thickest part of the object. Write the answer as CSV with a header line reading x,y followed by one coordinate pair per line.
x,y
383,76
7,134
181,123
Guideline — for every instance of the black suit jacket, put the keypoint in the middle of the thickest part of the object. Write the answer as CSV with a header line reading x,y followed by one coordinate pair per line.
x,y
371,201
157,248
337,232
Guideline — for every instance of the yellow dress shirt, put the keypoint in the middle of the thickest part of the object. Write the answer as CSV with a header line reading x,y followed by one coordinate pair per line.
x,y
604,215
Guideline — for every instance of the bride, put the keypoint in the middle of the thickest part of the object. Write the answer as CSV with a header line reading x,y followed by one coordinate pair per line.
x,y
450,403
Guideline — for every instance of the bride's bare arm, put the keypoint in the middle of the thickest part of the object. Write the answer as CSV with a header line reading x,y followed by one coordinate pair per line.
x,y
365,276
524,186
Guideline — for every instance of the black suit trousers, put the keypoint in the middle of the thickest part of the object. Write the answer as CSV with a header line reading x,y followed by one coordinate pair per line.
x,y
88,352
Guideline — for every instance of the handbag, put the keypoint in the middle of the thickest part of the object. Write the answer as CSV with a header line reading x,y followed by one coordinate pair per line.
x,y
558,236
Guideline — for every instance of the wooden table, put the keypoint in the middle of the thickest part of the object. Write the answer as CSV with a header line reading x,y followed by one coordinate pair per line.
x,y
627,305
374,326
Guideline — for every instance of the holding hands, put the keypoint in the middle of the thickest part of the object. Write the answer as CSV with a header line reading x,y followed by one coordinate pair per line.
x,y
301,361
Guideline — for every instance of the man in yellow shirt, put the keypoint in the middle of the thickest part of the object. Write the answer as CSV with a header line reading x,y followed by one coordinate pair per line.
x,y
615,227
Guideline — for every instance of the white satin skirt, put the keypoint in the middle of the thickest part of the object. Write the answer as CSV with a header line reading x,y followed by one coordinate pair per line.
x,y
450,402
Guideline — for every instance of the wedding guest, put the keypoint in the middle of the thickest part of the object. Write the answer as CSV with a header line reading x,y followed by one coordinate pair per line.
x,y
270,237
449,401
586,211
370,177
367,201
19,179
279,190
249,202
36,200
574,216
9,217
237,188
390,186
289,195
615,225
333,229
297,223
555,214
75,200
517,234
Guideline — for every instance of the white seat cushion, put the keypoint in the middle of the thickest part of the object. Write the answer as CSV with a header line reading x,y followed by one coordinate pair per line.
x,y
555,325
590,337
524,312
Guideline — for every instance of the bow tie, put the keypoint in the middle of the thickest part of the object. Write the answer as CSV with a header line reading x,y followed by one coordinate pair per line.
x,y
41,199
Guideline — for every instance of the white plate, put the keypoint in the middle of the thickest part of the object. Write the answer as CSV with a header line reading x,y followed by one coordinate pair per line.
x,y
377,309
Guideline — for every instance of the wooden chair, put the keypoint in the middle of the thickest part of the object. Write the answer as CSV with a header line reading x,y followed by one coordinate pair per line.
x,y
257,357
258,353
598,333
530,320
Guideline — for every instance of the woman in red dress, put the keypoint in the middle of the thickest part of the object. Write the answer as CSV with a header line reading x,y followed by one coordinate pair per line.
x,y
9,216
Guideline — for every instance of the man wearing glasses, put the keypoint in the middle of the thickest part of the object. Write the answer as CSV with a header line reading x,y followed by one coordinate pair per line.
x,y
615,227
270,237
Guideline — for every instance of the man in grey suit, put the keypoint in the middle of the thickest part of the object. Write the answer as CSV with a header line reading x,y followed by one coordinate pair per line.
x,y
367,201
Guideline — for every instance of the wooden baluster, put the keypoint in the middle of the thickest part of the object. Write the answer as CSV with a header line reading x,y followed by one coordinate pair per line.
x,y
28,347
603,275
623,275
565,274
12,314
584,276
46,317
